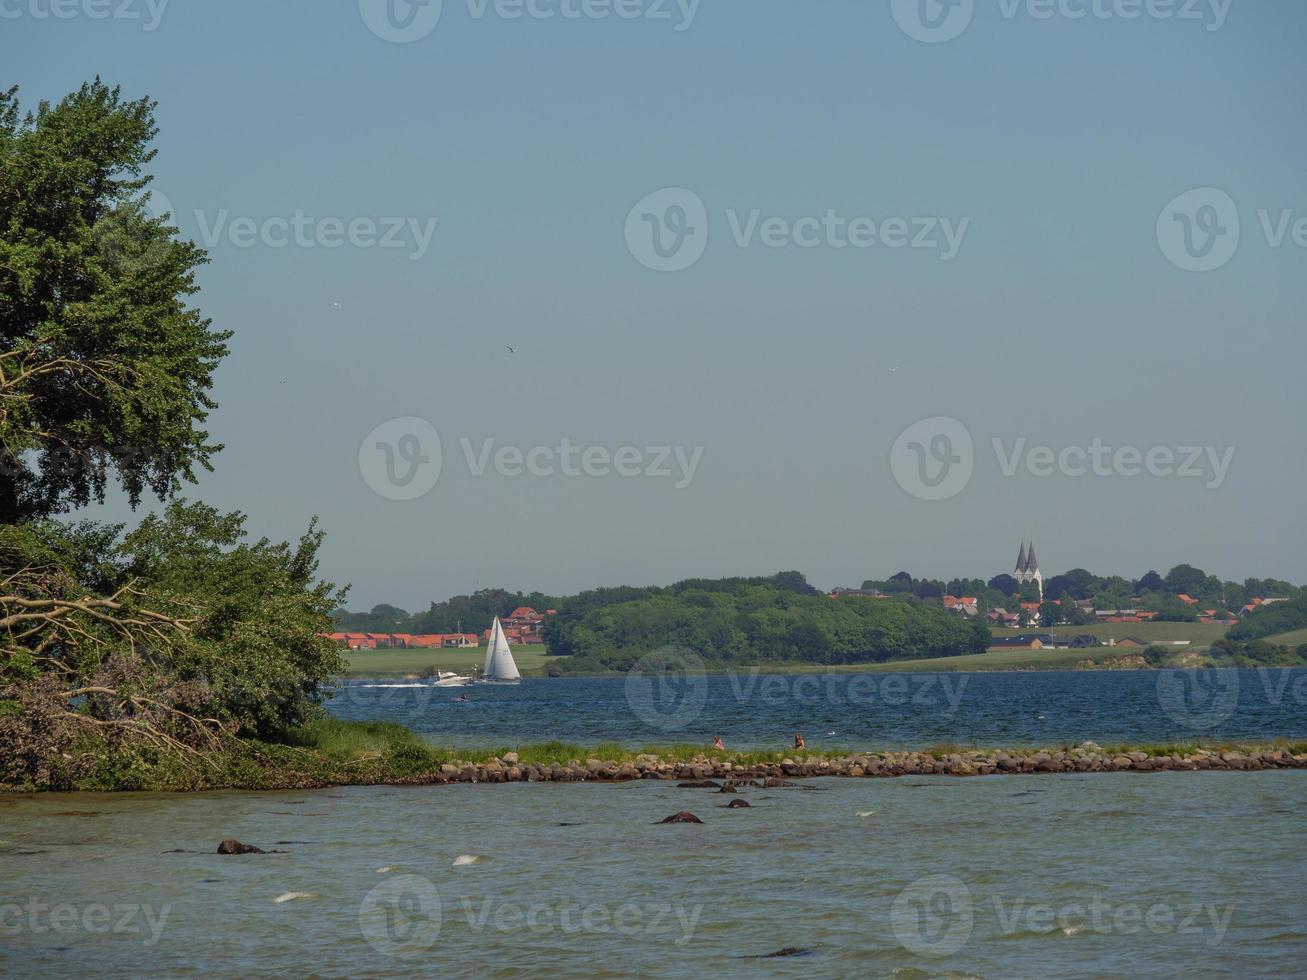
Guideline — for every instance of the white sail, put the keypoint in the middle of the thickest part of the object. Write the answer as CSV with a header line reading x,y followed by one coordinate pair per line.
x,y
500,665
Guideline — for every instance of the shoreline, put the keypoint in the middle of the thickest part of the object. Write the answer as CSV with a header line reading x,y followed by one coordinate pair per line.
x,y
1085,665
1086,757
399,757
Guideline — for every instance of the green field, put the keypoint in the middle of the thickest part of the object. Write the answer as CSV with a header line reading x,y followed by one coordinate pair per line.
x,y
992,660
1198,634
375,663
1291,639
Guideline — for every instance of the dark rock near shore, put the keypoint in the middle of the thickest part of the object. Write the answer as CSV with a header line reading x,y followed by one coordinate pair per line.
x,y
699,784
233,846
737,804
787,951
685,816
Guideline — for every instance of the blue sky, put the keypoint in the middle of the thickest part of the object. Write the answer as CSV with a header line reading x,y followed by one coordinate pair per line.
x,y
1056,141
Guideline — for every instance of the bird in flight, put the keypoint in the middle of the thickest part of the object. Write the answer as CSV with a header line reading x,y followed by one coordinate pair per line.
x,y
511,350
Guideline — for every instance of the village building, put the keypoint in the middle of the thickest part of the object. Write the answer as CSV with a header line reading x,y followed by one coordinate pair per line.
x,y
1027,569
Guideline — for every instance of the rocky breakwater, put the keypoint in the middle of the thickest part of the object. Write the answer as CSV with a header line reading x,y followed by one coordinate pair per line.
x,y
1086,757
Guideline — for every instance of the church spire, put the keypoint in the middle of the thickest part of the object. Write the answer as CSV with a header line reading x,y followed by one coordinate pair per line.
x,y
1031,564
1021,558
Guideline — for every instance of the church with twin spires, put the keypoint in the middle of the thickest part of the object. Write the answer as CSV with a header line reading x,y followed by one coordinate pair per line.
x,y
1027,569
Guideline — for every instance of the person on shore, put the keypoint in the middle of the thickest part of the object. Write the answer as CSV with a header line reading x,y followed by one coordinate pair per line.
x,y
798,741
717,744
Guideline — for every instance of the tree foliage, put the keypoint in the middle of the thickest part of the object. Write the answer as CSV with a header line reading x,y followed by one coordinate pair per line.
x,y
105,368
164,642
759,620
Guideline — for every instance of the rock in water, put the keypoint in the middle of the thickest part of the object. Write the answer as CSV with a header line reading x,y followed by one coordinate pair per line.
x,y
685,816
233,846
699,784
737,804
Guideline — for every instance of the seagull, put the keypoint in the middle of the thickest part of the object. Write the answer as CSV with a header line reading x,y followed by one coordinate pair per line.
x,y
511,350
894,369
336,306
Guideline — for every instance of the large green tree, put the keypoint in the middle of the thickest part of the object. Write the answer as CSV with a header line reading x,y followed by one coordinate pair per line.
x,y
124,649
105,368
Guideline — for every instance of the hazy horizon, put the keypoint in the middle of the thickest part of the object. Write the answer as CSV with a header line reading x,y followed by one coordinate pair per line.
x,y
1000,228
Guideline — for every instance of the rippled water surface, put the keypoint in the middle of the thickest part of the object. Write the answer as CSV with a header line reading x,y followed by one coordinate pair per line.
x,y
864,711
1170,874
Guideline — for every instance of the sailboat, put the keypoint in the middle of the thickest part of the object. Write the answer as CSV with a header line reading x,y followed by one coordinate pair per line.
x,y
500,667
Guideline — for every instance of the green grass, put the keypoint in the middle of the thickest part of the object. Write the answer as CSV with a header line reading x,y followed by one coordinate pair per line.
x,y
352,739
530,660
992,660
1290,639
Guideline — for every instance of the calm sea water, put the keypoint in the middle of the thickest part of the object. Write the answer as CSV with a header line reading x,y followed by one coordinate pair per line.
x,y
862,711
1171,874
1168,874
